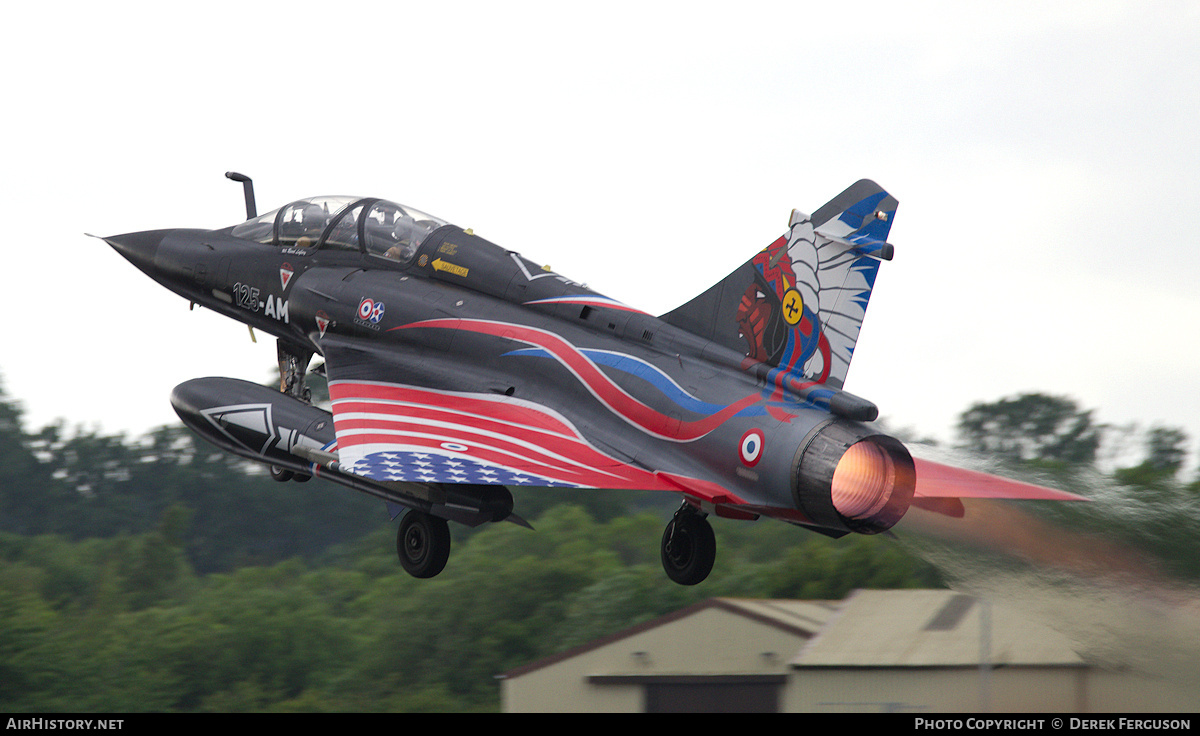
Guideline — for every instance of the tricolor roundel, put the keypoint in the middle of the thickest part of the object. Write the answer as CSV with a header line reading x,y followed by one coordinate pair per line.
x,y
370,310
751,447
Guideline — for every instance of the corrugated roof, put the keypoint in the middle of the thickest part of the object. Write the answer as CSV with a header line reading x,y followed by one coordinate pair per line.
x,y
930,628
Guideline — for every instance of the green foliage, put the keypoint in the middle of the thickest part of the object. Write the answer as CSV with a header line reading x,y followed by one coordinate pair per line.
x,y
1145,475
818,570
1143,508
124,624
1031,427
226,512
1166,450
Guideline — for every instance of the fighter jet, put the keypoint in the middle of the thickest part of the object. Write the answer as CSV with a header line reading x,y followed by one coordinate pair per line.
x,y
458,368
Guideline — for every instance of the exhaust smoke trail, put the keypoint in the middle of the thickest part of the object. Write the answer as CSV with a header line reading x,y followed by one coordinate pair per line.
x,y
1119,575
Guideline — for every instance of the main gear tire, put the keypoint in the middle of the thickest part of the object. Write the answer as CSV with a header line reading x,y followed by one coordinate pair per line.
x,y
423,544
689,548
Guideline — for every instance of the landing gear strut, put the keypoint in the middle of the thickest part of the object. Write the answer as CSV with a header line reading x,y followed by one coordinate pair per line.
x,y
423,544
688,546
293,366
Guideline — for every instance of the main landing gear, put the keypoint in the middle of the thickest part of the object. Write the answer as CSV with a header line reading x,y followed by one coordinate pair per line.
x,y
689,547
423,544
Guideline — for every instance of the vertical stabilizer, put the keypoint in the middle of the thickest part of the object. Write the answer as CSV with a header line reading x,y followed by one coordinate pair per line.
x,y
799,303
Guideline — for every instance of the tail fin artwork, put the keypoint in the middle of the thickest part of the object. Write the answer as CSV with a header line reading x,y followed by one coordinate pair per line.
x,y
799,303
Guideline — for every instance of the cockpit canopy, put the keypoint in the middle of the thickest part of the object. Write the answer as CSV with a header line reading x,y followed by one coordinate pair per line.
x,y
373,226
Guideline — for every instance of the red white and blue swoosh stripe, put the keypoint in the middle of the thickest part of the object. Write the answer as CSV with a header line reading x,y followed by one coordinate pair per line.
x,y
587,300
646,371
608,393
392,432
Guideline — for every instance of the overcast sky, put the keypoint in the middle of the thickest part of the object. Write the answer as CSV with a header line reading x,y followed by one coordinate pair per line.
x,y
1045,156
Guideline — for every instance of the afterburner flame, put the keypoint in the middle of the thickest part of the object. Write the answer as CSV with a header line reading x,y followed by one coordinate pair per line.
x,y
863,481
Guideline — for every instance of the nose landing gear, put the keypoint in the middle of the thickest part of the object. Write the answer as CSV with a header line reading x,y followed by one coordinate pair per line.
x,y
293,365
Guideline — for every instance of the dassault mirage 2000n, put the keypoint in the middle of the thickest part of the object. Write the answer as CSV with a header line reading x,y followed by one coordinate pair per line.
x,y
457,369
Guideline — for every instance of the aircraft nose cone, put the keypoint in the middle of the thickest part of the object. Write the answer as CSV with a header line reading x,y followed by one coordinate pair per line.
x,y
138,248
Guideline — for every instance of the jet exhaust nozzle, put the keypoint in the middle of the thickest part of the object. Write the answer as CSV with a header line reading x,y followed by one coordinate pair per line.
x,y
848,476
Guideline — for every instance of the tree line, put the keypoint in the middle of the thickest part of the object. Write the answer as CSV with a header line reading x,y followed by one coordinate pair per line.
x,y
159,574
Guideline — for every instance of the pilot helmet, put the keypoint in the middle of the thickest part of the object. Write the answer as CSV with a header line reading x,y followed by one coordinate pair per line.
x,y
313,220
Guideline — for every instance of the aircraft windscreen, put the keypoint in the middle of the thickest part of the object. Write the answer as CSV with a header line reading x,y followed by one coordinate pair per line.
x,y
261,229
305,218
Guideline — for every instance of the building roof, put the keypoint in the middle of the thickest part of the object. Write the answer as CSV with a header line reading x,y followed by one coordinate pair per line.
x,y
931,628
800,618
804,617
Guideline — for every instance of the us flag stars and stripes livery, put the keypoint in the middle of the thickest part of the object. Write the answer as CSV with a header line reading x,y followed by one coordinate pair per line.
x,y
392,432
428,467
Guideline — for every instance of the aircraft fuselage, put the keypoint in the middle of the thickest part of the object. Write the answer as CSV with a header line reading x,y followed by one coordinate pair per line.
x,y
458,368
462,313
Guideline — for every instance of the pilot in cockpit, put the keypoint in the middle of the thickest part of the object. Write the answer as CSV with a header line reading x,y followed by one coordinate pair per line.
x,y
304,228
395,233
406,236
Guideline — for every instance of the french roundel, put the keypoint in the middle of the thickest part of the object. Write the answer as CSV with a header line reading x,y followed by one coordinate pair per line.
x,y
365,307
751,447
